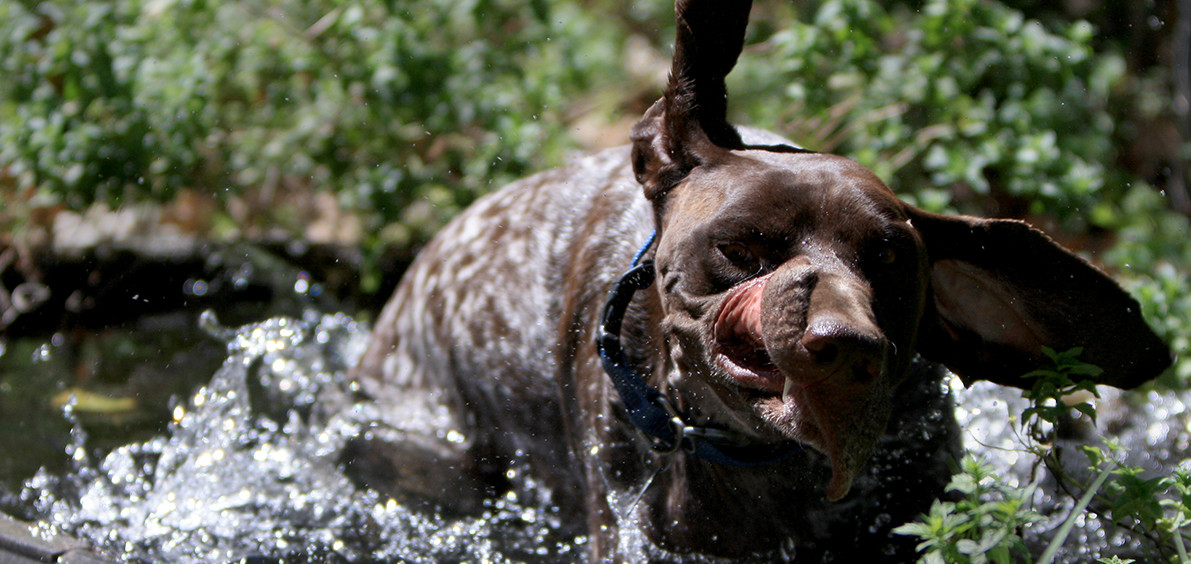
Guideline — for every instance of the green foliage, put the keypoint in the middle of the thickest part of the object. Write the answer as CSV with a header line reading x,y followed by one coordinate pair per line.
x,y
71,124
1157,508
952,104
1054,386
985,525
385,104
981,527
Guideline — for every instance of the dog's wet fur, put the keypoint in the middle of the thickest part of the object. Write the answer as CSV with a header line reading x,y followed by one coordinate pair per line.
x,y
796,298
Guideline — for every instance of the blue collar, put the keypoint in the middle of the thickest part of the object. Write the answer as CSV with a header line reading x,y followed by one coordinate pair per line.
x,y
648,409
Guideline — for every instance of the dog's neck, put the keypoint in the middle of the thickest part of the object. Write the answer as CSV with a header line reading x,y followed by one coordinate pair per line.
x,y
711,508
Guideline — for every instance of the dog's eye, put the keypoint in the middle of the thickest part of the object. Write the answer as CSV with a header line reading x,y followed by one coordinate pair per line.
x,y
736,253
886,256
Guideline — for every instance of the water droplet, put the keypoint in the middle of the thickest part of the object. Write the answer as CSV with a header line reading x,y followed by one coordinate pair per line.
x,y
302,284
42,354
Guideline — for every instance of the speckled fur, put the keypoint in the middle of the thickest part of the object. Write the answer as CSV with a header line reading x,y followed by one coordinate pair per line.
x,y
493,326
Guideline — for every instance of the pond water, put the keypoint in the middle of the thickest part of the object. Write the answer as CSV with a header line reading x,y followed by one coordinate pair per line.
x,y
246,462
248,466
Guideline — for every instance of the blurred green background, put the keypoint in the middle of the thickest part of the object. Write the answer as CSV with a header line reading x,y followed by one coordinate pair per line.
x,y
368,124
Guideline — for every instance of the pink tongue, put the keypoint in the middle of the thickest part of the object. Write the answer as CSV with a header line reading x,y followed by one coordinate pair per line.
x,y
740,317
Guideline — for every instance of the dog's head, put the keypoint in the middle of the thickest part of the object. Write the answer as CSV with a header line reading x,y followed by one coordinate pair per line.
x,y
796,288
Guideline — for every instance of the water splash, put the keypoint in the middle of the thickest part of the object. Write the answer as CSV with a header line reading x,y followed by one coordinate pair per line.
x,y
249,467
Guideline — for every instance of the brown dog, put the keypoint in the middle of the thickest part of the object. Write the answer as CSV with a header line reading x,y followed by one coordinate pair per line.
x,y
782,304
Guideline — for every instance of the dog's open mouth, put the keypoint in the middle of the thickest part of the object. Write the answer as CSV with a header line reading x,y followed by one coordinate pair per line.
x,y
739,348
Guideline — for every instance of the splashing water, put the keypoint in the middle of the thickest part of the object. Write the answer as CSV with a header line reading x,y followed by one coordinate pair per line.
x,y
249,468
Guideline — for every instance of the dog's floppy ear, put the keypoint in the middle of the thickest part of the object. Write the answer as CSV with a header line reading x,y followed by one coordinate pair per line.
x,y
689,122
1000,290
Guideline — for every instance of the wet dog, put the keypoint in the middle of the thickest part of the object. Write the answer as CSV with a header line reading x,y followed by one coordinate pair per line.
x,y
750,388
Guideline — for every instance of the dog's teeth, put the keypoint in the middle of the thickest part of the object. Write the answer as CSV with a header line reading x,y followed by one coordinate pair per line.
x,y
786,389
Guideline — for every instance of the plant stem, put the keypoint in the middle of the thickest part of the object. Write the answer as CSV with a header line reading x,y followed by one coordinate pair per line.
x,y
1178,539
1076,511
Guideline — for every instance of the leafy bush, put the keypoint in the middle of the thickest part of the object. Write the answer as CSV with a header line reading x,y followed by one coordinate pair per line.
x,y
385,104
962,105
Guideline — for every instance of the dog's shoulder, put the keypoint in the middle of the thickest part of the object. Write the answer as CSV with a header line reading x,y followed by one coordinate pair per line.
x,y
526,233
496,268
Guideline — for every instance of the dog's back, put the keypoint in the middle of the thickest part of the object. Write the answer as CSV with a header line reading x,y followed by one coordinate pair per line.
x,y
470,339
